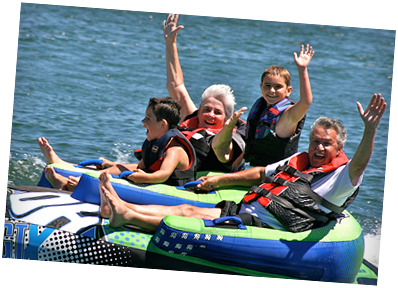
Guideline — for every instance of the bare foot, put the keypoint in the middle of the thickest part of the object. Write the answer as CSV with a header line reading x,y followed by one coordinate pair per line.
x,y
48,152
105,210
57,181
72,183
118,209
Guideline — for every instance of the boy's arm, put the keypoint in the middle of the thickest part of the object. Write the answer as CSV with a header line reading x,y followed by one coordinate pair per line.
x,y
295,113
172,159
222,143
371,118
175,77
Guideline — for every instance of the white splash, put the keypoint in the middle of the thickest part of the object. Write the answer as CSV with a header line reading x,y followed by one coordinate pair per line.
x,y
372,248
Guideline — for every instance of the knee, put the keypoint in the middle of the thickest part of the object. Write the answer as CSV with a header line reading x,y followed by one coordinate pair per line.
x,y
187,210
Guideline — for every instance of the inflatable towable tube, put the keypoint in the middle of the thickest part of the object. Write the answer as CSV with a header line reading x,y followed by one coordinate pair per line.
x,y
331,253
52,219
88,190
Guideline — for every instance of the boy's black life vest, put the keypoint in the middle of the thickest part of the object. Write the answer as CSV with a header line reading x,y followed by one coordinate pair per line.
x,y
263,146
152,155
288,196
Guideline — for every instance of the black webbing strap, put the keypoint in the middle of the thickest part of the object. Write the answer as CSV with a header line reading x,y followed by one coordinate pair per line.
x,y
294,172
276,180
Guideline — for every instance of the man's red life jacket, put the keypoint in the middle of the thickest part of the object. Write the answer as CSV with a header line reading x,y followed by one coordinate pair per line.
x,y
287,194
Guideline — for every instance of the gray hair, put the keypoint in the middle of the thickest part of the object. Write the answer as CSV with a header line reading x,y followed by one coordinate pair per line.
x,y
334,124
222,93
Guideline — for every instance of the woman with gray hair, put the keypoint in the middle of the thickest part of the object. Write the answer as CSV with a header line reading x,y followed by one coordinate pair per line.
x,y
213,127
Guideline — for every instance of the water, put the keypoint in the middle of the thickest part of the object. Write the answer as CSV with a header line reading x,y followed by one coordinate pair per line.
x,y
84,77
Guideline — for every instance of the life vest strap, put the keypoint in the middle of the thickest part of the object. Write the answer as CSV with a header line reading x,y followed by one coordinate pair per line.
x,y
276,180
256,189
294,172
279,181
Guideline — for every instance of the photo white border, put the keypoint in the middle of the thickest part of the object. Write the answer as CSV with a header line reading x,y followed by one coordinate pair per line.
x,y
363,14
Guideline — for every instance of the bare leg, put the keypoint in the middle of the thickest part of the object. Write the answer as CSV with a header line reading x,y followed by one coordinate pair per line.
x,y
145,216
119,168
48,152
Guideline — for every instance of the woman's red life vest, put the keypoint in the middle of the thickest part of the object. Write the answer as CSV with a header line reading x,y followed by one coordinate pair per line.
x,y
193,122
201,139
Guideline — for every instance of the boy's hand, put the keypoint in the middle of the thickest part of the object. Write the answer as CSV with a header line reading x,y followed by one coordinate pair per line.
x,y
303,60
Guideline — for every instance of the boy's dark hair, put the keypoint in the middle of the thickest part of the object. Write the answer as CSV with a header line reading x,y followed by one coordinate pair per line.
x,y
166,108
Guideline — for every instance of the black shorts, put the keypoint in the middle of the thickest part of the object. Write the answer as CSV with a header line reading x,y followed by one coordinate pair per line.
x,y
230,208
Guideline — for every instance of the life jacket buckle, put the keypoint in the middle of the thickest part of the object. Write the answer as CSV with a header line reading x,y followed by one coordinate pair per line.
x,y
255,189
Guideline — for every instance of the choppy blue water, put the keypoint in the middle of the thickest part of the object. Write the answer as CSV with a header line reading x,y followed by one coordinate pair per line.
x,y
84,77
